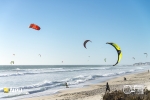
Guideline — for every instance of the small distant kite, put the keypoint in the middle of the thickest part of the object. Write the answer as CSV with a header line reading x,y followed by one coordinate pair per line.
x,y
34,26
62,61
105,59
84,44
40,55
89,56
133,58
14,54
146,54
118,51
12,62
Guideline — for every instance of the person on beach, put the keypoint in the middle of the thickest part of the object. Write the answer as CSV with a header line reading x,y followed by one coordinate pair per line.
x,y
66,85
124,79
107,87
148,71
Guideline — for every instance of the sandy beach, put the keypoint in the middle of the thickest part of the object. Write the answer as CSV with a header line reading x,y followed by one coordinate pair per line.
x,y
96,91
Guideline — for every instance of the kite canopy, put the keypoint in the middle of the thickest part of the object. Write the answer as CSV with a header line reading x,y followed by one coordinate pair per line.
x,y
12,62
105,59
146,54
118,51
40,55
133,58
34,26
84,44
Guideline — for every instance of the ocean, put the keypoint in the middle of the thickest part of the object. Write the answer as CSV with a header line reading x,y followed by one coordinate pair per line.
x,y
27,81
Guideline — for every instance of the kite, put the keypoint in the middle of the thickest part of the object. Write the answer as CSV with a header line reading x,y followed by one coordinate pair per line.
x,y
133,58
84,44
146,54
39,55
105,59
14,54
118,51
34,26
12,62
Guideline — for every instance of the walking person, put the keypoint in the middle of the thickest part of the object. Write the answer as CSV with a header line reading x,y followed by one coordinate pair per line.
x,y
107,87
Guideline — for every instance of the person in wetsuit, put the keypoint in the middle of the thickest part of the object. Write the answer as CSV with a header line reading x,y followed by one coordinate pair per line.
x,y
125,79
107,87
66,85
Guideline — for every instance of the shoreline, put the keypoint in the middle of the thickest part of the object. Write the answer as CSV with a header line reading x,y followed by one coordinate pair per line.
x,y
95,91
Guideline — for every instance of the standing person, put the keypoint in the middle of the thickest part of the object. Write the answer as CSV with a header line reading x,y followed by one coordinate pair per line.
x,y
107,87
148,71
125,79
66,85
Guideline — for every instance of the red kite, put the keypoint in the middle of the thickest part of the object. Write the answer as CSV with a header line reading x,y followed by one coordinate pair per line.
x,y
34,26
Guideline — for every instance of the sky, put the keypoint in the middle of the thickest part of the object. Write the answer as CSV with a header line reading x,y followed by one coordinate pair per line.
x,y
66,24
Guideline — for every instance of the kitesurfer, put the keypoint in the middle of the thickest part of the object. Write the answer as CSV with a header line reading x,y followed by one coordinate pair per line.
x,y
66,85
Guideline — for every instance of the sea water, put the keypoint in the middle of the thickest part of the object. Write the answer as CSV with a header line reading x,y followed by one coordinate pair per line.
x,y
38,80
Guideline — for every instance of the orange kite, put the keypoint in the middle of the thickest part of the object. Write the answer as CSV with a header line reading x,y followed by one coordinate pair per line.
x,y
34,26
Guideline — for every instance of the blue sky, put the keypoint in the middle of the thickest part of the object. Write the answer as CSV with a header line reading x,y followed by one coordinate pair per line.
x,y
66,24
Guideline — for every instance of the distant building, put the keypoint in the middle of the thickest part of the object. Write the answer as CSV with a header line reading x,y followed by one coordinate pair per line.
x,y
147,63
140,64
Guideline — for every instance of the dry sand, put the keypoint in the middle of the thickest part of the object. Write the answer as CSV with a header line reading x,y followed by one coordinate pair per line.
x,y
96,91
